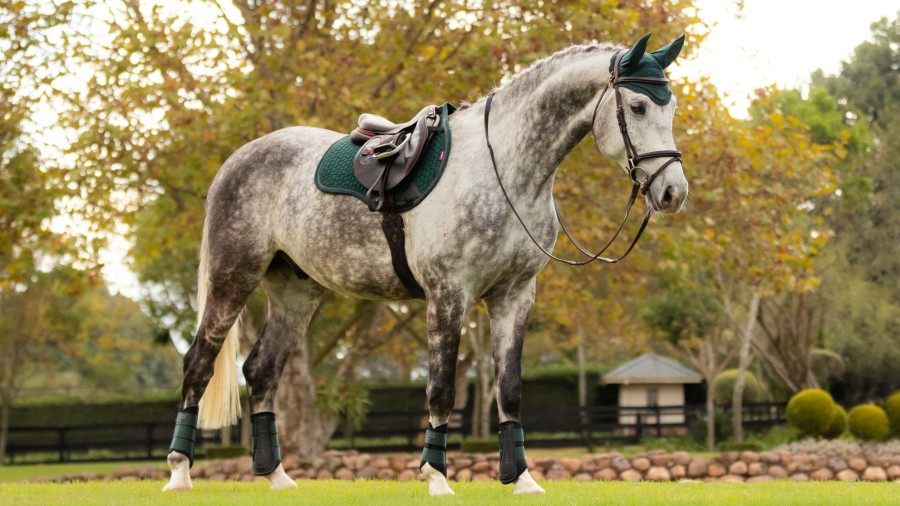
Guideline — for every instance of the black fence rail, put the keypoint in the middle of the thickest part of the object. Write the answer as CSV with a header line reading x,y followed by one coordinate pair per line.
x,y
383,432
573,426
84,443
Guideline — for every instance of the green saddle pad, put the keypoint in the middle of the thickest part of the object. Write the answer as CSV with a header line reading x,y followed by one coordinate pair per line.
x,y
335,171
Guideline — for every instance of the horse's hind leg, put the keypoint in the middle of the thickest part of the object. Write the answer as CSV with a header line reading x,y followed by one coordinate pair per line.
x,y
229,272
509,316
292,302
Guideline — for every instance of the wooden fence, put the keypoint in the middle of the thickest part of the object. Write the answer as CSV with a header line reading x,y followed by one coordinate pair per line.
x,y
382,432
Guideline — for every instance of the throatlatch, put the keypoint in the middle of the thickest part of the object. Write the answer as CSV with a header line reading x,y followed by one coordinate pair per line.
x,y
264,443
512,452
435,451
185,433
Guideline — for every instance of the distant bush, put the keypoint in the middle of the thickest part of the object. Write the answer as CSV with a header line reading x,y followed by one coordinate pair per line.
x,y
734,446
838,423
811,411
479,445
723,387
869,422
697,426
892,407
226,452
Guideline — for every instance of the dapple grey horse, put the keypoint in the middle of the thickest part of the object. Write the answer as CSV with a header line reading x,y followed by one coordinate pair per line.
x,y
267,224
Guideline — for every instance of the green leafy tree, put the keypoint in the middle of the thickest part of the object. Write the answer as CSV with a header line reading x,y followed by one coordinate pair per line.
x,y
171,98
688,317
29,189
753,235
861,267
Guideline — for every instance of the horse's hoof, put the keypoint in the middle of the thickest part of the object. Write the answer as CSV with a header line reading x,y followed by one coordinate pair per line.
x,y
437,482
439,489
174,486
525,484
279,480
180,481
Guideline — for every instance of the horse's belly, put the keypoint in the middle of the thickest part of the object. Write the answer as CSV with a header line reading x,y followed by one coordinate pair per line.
x,y
342,247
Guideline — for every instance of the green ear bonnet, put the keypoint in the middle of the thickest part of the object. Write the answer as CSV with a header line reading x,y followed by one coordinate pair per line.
x,y
637,63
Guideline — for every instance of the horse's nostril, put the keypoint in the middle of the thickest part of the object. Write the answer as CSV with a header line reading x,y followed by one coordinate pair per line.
x,y
670,195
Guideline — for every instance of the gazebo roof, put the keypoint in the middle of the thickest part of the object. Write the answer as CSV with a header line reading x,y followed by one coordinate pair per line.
x,y
651,368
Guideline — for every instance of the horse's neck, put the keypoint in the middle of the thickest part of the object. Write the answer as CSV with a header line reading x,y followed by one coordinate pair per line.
x,y
540,121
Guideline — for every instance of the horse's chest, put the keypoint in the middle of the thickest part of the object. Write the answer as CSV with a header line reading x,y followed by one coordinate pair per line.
x,y
480,241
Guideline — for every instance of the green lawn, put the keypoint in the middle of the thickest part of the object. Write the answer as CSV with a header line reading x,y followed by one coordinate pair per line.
x,y
391,492
32,471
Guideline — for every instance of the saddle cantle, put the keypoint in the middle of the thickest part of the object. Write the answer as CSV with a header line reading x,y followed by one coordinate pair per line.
x,y
390,151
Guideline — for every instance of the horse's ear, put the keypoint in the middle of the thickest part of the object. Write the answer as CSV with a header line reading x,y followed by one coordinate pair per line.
x,y
633,56
667,54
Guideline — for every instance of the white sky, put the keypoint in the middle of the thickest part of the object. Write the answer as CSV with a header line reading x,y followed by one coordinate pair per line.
x,y
778,42
768,42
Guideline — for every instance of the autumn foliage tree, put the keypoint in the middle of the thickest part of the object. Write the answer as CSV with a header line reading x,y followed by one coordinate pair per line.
x,y
174,93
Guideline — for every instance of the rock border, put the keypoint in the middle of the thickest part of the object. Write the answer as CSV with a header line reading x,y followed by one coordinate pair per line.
x,y
654,465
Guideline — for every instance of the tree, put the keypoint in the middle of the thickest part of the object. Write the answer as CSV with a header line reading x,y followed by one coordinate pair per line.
x,y
860,271
755,235
170,99
35,324
28,193
690,318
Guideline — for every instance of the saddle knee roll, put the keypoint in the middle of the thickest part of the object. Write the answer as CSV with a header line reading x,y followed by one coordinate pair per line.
x,y
512,452
264,443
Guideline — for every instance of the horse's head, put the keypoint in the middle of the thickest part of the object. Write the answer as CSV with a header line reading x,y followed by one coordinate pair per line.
x,y
633,126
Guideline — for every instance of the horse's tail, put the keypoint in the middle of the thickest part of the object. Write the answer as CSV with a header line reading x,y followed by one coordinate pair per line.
x,y
220,405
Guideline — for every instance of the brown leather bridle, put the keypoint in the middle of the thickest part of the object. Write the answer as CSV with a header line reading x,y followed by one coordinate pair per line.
x,y
633,158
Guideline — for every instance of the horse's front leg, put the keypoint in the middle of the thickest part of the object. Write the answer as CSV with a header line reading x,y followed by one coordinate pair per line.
x,y
446,308
509,311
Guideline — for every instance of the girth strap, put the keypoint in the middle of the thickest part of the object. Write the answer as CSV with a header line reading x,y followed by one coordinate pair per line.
x,y
392,226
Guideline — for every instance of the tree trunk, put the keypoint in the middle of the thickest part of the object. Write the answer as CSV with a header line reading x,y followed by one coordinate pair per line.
x,y
582,383
303,430
710,416
737,402
582,371
4,429
484,386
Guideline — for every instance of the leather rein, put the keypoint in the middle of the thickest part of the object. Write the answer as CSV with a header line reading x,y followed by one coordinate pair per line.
x,y
633,158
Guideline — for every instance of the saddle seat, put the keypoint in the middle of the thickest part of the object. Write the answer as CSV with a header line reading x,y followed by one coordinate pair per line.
x,y
371,125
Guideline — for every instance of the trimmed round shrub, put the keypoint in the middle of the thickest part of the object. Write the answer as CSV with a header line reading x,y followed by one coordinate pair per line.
x,y
869,422
838,423
892,407
723,387
810,411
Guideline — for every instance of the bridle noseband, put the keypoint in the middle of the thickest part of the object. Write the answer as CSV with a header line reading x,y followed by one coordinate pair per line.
x,y
633,158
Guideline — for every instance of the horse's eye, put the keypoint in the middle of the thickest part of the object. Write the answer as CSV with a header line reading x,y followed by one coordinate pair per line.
x,y
638,108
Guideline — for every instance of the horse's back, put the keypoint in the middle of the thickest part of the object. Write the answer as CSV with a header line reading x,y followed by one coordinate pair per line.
x,y
264,197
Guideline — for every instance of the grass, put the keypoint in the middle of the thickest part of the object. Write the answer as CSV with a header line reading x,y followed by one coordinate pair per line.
x,y
31,471
344,493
